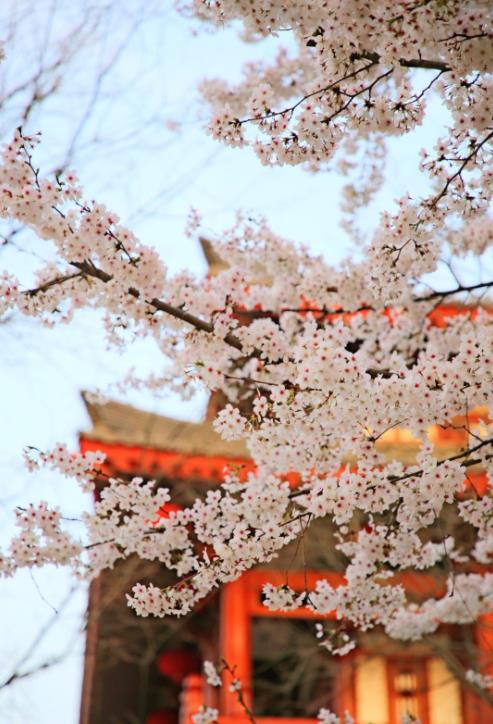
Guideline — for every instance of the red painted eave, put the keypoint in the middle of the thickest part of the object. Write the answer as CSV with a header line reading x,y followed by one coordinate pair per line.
x,y
153,462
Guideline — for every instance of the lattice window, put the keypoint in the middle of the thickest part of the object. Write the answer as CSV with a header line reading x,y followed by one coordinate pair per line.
x,y
408,687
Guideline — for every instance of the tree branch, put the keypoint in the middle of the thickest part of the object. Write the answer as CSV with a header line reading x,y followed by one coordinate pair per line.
x,y
477,147
17,674
405,63
89,269
291,109
450,292
459,456
52,283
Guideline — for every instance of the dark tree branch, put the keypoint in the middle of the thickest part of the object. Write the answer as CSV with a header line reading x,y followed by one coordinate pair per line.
x,y
460,456
52,283
419,473
89,269
405,63
48,664
476,148
17,673
291,109
450,292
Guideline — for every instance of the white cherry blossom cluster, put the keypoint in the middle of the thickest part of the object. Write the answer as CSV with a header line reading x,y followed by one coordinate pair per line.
x,y
212,674
483,681
325,716
336,641
206,715
213,678
350,74
239,524
86,237
281,598
322,395
81,466
40,540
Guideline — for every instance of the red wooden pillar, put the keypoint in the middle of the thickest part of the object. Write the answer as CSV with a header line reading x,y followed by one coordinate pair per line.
x,y
192,697
484,638
472,706
345,689
479,708
236,644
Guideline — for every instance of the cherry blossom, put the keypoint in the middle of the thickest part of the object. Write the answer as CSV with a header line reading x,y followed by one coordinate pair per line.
x,y
211,674
481,680
325,716
349,75
206,715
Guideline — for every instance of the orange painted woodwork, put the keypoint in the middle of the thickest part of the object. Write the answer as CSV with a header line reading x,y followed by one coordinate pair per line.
x,y
484,640
133,460
244,596
192,697
438,316
345,689
242,601
236,643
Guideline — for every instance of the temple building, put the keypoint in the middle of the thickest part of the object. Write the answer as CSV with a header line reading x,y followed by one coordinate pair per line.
x,y
149,671
145,671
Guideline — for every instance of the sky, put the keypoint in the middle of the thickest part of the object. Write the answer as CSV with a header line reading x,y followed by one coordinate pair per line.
x,y
126,157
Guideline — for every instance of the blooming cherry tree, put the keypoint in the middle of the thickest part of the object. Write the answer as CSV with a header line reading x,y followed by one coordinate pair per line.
x,y
329,359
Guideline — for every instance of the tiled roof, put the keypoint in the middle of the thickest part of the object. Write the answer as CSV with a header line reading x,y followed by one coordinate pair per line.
x,y
114,422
